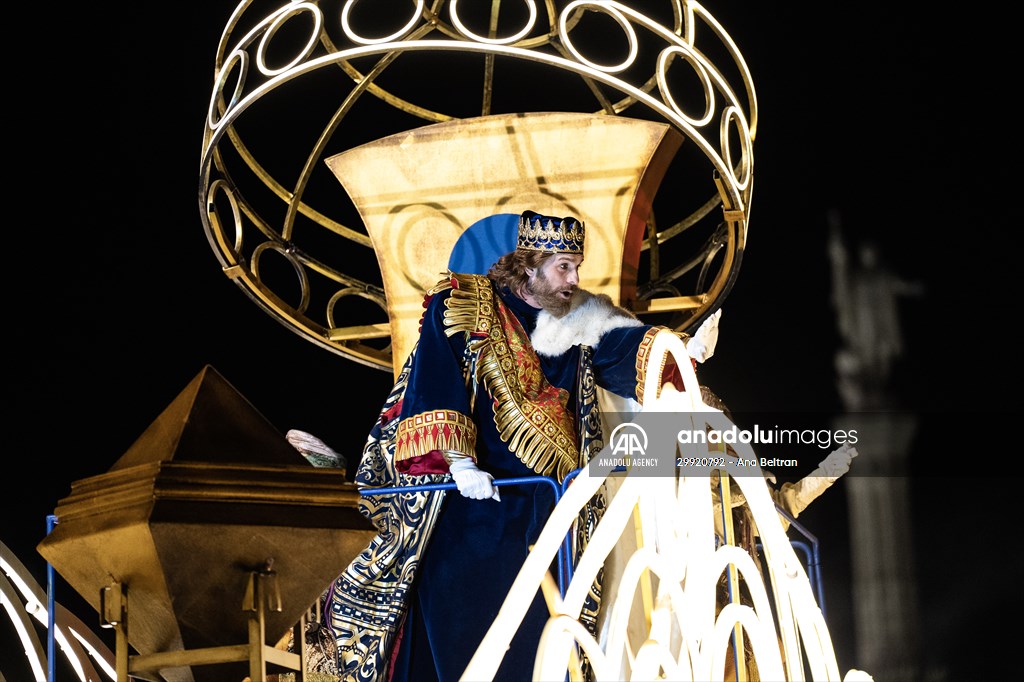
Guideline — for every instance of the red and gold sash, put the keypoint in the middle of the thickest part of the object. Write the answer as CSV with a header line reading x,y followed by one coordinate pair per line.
x,y
530,414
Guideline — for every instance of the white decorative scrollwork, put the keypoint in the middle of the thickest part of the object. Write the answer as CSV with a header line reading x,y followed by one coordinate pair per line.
x,y
690,634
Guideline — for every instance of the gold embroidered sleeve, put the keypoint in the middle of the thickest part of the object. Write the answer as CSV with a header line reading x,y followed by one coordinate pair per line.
x,y
439,430
643,358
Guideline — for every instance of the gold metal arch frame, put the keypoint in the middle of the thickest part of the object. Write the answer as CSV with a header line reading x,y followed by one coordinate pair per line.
x,y
298,83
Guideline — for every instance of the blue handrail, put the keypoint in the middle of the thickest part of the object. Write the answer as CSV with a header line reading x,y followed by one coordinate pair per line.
x,y
813,556
564,562
51,668
498,483
566,553
565,567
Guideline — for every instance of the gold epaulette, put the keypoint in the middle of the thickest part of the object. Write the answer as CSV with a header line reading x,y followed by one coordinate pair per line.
x,y
503,360
470,306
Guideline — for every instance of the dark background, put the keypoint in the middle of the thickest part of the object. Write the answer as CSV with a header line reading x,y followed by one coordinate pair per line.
x,y
118,300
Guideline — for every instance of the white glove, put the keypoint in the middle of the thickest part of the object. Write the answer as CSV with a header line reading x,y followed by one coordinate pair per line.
x,y
854,675
473,483
821,479
838,462
701,345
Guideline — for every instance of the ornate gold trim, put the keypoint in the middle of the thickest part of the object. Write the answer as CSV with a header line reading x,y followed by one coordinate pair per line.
x,y
643,357
435,430
530,414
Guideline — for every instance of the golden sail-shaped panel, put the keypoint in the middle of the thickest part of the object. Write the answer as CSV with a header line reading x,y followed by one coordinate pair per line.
x,y
418,191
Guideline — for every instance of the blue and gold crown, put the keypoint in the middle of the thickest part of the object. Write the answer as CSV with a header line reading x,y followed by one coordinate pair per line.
x,y
549,234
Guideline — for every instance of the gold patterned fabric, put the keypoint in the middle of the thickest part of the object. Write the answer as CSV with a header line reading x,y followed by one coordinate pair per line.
x,y
551,429
530,413
643,357
369,600
435,430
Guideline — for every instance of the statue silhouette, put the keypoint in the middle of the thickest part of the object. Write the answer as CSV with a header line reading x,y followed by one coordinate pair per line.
x,y
865,297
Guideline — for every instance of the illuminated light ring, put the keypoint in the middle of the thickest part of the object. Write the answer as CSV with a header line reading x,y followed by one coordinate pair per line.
x,y
652,658
566,633
757,620
702,73
745,566
30,644
621,10
687,43
670,574
677,548
726,40
356,38
77,650
213,120
737,199
92,646
236,249
345,293
734,194
269,23
763,643
611,10
446,45
485,661
279,19
530,21
296,265
732,114
634,571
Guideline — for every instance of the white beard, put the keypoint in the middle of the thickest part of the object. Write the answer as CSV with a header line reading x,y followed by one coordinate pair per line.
x,y
590,316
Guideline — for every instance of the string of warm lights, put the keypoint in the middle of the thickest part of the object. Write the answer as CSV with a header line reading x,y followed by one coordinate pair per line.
x,y
250,208
22,598
686,638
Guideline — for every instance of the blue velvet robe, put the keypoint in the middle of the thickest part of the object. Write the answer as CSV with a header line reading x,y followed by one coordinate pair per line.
x,y
478,546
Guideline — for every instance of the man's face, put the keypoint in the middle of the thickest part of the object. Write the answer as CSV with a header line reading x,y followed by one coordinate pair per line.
x,y
554,282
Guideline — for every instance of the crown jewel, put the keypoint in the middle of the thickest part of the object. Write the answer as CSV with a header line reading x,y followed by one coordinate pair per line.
x,y
550,234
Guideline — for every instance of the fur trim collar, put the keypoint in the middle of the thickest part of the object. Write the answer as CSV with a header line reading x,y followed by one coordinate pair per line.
x,y
590,316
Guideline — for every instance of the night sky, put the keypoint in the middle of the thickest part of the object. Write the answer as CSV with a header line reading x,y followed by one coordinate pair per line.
x,y
119,300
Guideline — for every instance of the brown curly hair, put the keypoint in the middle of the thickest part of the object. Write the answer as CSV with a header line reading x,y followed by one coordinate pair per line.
x,y
510,270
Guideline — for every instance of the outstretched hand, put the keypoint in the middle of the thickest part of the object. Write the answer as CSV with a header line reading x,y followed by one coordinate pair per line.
x,y
814,484
701,345
838,462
